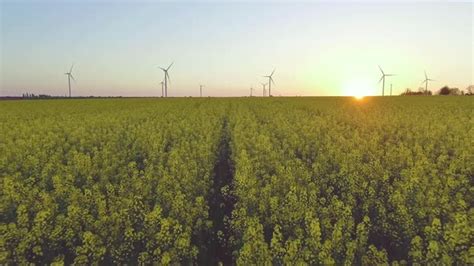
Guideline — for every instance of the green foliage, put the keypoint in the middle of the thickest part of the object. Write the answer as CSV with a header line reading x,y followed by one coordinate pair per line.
x,y
254,250
319,181
105,181
339,181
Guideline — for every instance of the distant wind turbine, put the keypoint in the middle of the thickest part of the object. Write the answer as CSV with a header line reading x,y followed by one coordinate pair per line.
x,y
390,89
69,77
270,81
263,92
167,78
383,79
251,91
426,82
200,90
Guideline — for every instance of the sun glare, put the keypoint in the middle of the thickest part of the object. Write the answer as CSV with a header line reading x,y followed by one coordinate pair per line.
x,y
358,89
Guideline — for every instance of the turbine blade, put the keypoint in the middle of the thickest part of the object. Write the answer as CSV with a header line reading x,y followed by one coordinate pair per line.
x,y
168,76
162,69
381,70
170,66
73,77
272,72
426,76
383,76
72,66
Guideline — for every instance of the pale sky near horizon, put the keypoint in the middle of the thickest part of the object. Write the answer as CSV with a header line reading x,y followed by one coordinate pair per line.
x,y
317,48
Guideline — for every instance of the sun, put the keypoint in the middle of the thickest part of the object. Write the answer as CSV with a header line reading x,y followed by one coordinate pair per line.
x,y
358,89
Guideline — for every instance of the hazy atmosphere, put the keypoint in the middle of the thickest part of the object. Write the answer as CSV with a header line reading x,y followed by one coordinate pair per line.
x,y
317,48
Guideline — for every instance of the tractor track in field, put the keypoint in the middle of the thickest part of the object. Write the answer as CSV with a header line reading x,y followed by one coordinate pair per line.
x,y
217,248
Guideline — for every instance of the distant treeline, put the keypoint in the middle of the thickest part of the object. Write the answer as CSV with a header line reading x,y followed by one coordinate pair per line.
x,y
39,96
469,91
47,96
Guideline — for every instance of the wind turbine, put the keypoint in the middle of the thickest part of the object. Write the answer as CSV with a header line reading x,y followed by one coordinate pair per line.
x,y
390,89
426,82
251,91
167,78
200,90
69,76
270,80
383,79
263,84
162,89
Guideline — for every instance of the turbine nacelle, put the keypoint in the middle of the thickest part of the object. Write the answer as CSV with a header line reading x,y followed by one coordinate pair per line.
x,y
270,78
427,79
165,70
70,72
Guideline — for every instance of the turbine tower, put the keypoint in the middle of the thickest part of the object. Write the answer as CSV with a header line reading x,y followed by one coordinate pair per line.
x,y
426,82
264,85
251,91
390,89
200,90
270,80
69,77
167,78
162,89
383,79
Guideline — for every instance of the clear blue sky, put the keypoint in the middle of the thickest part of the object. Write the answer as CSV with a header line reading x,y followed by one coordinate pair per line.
x,y
317,48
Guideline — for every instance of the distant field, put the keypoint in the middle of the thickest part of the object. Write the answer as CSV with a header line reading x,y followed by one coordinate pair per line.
x,y
238,180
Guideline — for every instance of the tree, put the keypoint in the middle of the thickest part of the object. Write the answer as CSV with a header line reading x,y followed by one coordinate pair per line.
x,y
449,91
421,91
470,90
444,90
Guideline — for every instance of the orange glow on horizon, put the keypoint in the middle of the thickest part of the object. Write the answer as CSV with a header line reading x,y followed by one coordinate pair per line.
x,y
359,88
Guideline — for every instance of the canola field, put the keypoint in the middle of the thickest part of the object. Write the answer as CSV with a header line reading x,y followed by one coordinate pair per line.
x,y
245,181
